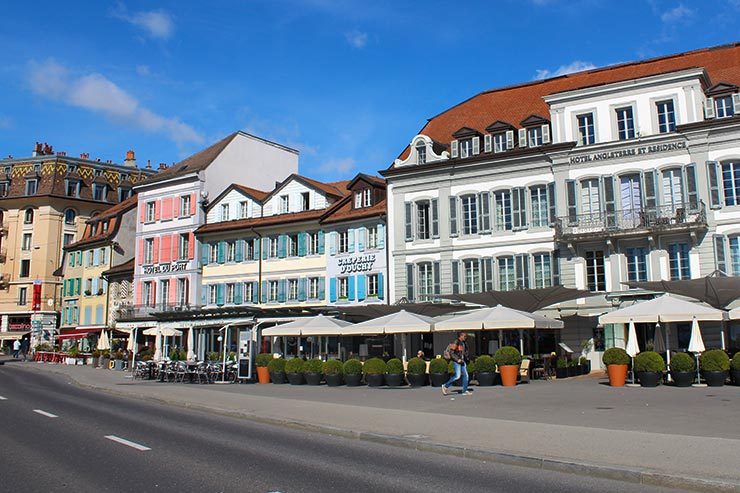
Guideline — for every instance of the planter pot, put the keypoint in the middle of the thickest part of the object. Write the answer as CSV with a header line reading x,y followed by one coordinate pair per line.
x,y
313,378
617,375
418,380
263,374
105,363
588,366
735,377
714,378
374,380
394,380
438,379
571,371
96,362
561,372
509,373
118,364
584,369
683,378
278,377
648,378
486,378
334,380
353,380
296,378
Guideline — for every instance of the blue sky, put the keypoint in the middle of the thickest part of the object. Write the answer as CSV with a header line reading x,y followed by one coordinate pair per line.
x,y
348,83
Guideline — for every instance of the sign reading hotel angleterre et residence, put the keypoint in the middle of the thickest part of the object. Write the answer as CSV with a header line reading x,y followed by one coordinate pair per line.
x,y
164,268
633,151
358,263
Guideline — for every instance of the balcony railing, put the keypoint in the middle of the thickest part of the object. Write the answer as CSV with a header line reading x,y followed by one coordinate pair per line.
x,y
143,311
655,220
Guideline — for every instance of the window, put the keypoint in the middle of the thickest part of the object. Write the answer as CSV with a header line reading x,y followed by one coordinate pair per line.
x,y
358,200
249,246
292,245
423,220
506,274
213,253
466,148
284,204
631,196
230,293
212,294
313,243
273,253
69,217
28,216
421,153
100,192
147,293
4,188
470,214
666,116
313,288
472,277
542,270
502,210
343,285
26,242
22,295
32,186
25,268
182,291
72,189
230,251
68,238
148,251
735,254
678,260
534,136
292,289
343,246
731,182
244,209
595,275
540,206
305,201
372,286
184,205
183,247
124,193
724,107
224,212
164,291
248,292
499,142
625,123
367,197
590,197
372,237
586,129
672,195
426,281
150,211
636,264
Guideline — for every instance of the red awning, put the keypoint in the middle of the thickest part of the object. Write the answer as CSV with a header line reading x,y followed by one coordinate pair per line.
x,y
93,330
77,335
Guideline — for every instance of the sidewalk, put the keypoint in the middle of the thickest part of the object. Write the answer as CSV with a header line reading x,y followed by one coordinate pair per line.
x,y
672,437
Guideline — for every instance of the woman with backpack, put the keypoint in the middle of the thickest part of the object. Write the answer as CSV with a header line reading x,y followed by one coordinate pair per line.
x,y
457,352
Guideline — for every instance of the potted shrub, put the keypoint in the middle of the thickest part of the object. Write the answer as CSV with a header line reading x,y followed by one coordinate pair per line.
x,y
294,370
72,355
585,365
261,362
616,360
352,372
486,369
508,360
735,368
649,367
394,372
416,372
374,370
276,368
105,358
714,366
118,360
96,358
332,370
213,356
561,368
472,370
438,372
683,369
572,368
313,371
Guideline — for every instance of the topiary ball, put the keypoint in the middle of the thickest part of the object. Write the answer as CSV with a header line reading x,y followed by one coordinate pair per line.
x,y
649,361
416,366
616,356
374,366
507,355
682,362
714,360
485,364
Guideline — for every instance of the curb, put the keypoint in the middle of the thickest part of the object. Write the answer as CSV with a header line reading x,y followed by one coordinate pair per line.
x,y
625,474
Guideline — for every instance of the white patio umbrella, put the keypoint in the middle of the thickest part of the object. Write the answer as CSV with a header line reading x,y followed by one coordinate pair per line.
x,y
665,308
157,346
191,343
497,317
632,348
131,340
696,345
103,341
401,322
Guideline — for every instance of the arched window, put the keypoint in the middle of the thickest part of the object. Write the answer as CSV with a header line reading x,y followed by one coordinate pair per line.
x,y
28,216
69,217
421,152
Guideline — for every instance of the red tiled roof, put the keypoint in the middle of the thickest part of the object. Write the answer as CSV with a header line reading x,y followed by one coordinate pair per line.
x,y
515,103
123,268
258,222
343,211
337,188
111,214
252,192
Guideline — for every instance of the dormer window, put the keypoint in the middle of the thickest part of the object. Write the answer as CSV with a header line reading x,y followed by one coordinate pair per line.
x,y
534,137
466,148
358,200
224,212
723,101
32,186
421,152
72,188
724,106
367,197
499,142
467,143
98,172
99,191
535,132
284,204
71,168
36,168
500,138
305,201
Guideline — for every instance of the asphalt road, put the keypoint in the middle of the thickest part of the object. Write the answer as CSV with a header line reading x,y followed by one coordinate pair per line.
x,y
58,437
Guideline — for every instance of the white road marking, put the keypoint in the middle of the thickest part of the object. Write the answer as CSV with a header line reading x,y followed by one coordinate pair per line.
x,y
44,413
127,443
3,398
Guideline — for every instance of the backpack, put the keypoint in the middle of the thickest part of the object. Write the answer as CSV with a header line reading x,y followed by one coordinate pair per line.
x,y
447,354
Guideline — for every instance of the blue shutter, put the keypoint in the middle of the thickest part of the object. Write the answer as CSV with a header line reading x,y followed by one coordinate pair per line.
x,y
96,257
264,291
204,295
351,288
350,240
381,286
265,247
239,254
204,253
88,316
302,244
99,314
321,242
361,235
302,289
255,291
332,289
282,241
238,298
220,294
333,243
381,236
221,252
322,288
281,290
94,290
360,287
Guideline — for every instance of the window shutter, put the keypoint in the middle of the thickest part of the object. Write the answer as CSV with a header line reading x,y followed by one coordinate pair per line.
x,y
715,197
238,295
333,242
332,289
453,216
435,218
96,257
139,260
649,179
436,279
322,288
455,267
353,289
488,274
692,193
221,252
736,103
476,145
239,251
351,240
265,247
192,204
175,247
281,291
220,294
522,137
522,271
321,242
381,286
204,295
381,236
709,108
519,208
408,207
555,267
142,212
302,239
545,134
509,139
487,143
302,289
282,241
484,212
361,235
155,253
570,186
263,294
255,292
453,147
551,202
157,209
720,259
609,204
410,282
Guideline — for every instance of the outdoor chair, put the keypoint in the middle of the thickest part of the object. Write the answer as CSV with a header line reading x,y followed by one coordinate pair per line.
x,y
201,373
524,370
170,372
181,371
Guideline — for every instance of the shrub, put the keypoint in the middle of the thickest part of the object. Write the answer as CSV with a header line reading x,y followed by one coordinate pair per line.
x,y
262,360
213,356
561,363
175,355
313,366
352,367
582,360
714,360
438,365
471,366
507,355
44,346
96,354
736,361
232,356
485,364
616,356
73,352
417,366
332,367
374,366
394,367
649,361
294,365
682,362
276,365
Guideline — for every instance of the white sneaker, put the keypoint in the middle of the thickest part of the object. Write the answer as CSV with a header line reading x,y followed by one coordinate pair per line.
x,y
467,392
444,390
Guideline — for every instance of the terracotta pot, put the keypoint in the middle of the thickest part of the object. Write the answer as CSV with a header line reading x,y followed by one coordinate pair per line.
x,y
263,374
617,375
508,375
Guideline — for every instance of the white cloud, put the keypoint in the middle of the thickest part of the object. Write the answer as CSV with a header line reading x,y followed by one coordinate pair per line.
x,y
155,23
340,166
575,66
358,39
94,92
676,14
143,70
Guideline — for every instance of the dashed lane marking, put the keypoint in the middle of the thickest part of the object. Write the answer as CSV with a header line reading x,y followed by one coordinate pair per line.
x,y
3,398
128,443
44,413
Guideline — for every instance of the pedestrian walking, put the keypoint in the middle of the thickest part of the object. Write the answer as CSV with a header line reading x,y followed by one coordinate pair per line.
x,y
16,348
24,348
457,352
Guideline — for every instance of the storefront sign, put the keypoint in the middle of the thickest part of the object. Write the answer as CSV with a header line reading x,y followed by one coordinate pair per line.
x,y
19,326
634,151
360,263
165,268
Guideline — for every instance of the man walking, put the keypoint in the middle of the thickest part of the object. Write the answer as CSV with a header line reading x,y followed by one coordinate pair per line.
x,y
457,352
16,348
24,348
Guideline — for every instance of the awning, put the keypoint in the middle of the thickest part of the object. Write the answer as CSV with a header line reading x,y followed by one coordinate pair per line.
x,y
528,300
374,310
165,331
665,308
716,289
735,314
12,336
308,326
75,335
91,329
498,317
401,322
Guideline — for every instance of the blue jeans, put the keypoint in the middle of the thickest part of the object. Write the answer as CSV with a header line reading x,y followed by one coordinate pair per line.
x,y
461,369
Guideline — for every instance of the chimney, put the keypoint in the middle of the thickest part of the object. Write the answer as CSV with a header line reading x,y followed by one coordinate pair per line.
x,y
85,155
130,159
162,166
48,150
61,153
38,150
148,164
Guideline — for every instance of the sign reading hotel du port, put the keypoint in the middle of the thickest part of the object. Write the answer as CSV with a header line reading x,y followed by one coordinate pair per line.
x,y
632,151
359,263
165,268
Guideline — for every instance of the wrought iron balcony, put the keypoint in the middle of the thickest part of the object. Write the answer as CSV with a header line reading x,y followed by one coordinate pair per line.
x,y
632,222
146,311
